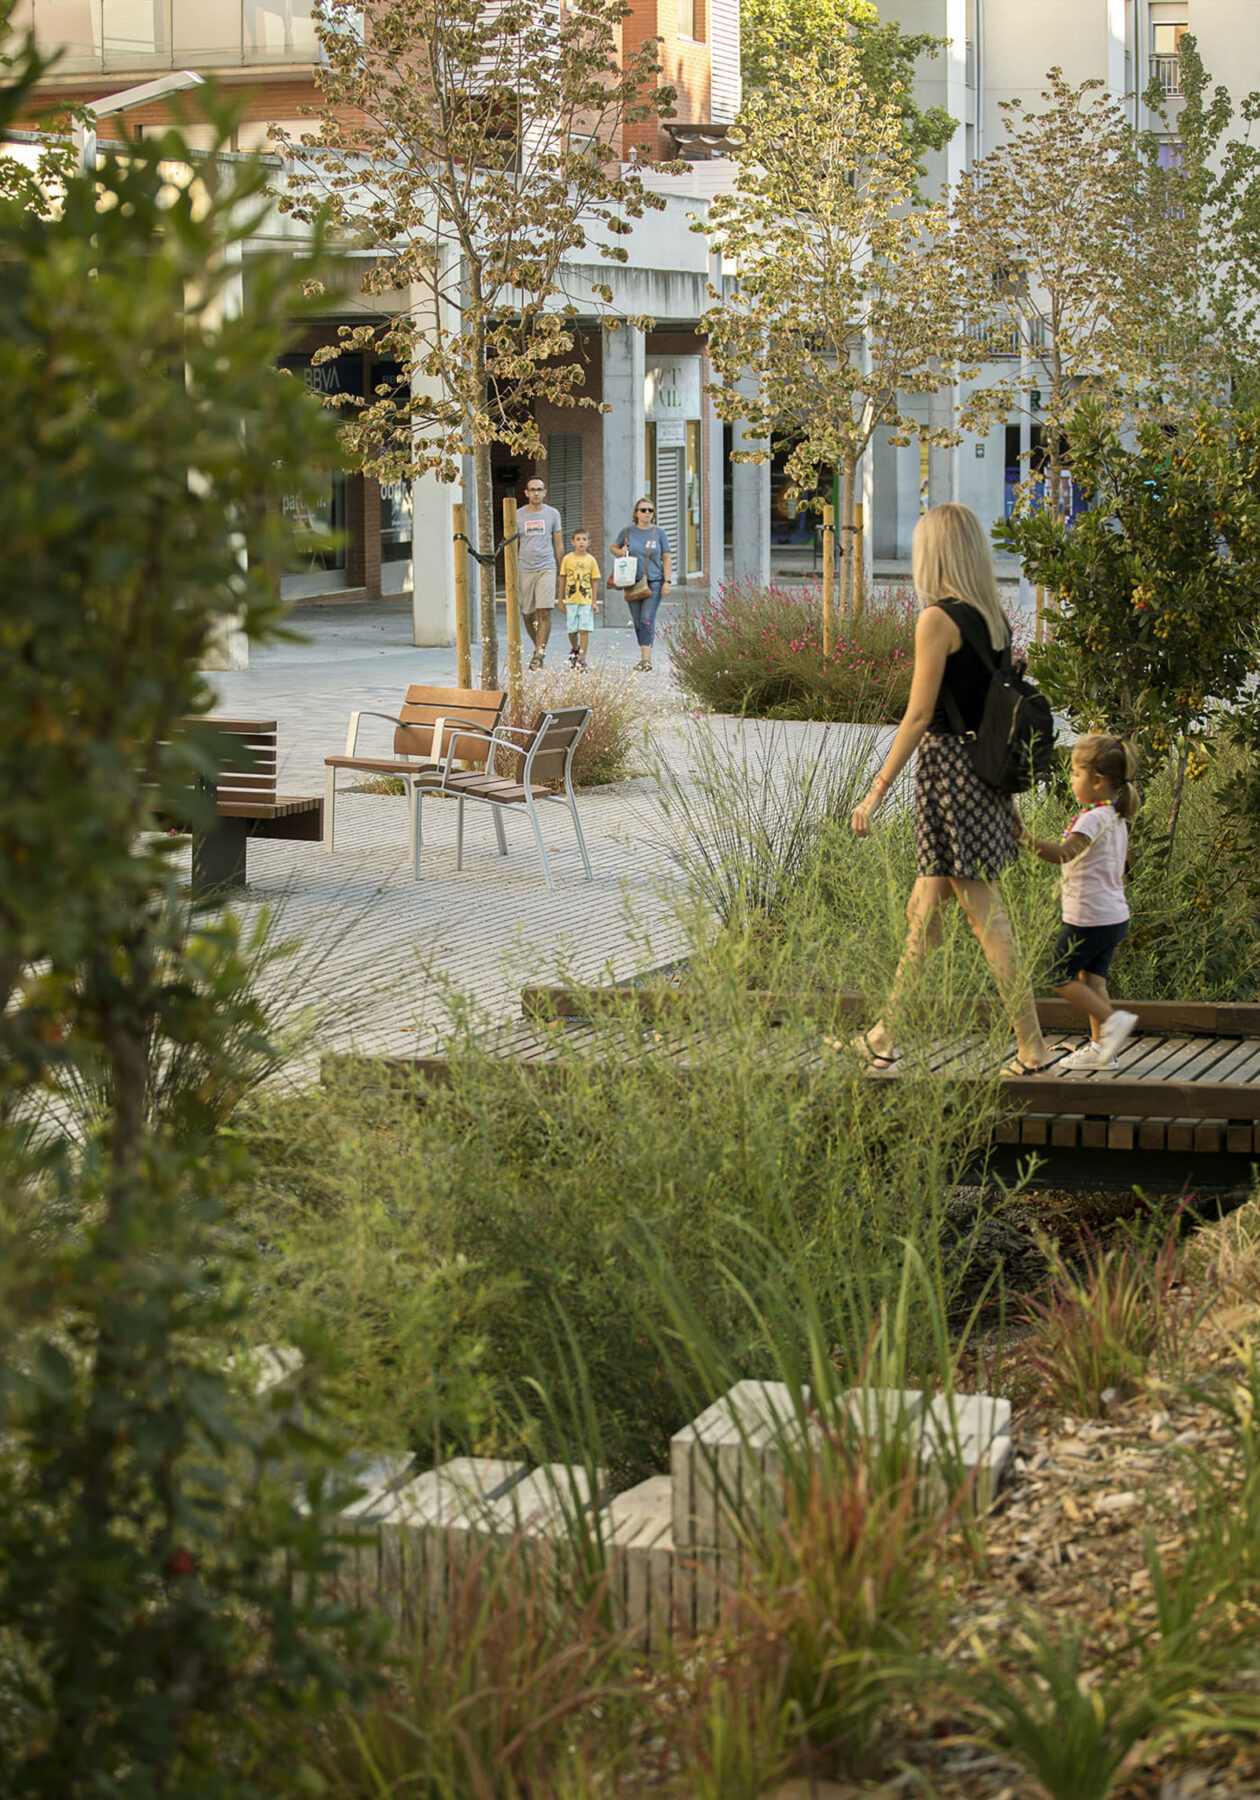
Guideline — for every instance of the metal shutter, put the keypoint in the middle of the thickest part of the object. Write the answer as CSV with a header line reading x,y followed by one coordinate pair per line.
x,y
669,498
563,475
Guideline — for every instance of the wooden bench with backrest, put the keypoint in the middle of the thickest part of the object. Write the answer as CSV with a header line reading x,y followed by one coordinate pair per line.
x,y
420,737
545,758
247,804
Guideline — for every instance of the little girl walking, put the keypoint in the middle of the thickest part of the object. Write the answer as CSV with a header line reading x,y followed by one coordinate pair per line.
x,y
1095,912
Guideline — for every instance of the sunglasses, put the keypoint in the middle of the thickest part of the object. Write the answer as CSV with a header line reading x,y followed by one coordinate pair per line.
x,y
649,510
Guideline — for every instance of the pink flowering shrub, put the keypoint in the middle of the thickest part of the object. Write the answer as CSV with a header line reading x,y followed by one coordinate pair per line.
x,y
758,650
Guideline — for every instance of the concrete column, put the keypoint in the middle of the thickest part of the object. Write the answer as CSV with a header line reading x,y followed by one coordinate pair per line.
x,y
432,561
625,474
432,553
715,527
1117,22
941,481
750,503
229,647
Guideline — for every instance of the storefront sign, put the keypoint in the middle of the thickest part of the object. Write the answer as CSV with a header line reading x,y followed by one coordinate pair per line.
x,y
672,388
671,434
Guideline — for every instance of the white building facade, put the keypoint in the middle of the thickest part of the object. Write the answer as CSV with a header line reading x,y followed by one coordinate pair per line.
x,y
1001,50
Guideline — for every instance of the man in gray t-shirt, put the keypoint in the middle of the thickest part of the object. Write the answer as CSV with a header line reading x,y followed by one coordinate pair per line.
x,y
538,557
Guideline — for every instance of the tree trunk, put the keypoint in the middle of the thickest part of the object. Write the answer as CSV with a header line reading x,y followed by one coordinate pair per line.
x,y
485,568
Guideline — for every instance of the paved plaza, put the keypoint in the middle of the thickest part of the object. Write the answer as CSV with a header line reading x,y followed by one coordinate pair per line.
x,y
381,958
381,954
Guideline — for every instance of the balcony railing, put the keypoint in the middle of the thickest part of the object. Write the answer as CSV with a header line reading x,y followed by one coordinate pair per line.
x,y
125,36
1167,71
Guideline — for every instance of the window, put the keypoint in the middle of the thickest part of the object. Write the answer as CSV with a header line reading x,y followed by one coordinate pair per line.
x,y
691,19
1166,57
563,474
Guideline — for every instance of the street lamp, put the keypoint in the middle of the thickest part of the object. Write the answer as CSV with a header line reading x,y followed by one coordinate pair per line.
x,y
85,135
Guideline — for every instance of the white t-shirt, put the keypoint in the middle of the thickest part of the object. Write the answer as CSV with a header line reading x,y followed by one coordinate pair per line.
x,y
1093,882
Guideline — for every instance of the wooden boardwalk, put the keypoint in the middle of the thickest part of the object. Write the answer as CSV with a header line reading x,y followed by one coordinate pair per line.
x,y
1188,1081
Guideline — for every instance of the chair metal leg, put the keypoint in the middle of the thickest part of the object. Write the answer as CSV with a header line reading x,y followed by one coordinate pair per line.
x,y
459,832
542,848
417,835
499,832
330,807
413,823
577,826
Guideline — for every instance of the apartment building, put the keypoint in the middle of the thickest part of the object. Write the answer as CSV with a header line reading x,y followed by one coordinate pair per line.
x,y
660,436
1000,50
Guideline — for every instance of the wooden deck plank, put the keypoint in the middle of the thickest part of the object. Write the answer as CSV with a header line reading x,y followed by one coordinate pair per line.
x,y
1201,1018
1153,1055
1204,1064
1115,1097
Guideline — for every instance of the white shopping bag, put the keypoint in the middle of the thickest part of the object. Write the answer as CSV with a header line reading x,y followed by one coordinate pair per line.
x,y
625,571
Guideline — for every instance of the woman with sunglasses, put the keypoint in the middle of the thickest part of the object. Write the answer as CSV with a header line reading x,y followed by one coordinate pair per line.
x,y
646,542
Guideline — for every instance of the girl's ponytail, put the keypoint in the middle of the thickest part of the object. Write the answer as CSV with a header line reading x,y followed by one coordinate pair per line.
x,y
1116,761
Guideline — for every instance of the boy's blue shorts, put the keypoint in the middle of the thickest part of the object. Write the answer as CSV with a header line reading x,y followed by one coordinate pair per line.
x,y
578,617
1085,950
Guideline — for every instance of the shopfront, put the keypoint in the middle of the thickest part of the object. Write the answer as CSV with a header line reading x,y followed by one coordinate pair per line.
x,y
673,393
371,521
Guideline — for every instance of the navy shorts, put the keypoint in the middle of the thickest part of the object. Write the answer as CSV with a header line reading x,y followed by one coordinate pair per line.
x,y
1085,950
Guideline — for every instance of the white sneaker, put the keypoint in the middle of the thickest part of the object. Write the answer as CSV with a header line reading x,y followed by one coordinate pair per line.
x,y
1088,1057
1116,1033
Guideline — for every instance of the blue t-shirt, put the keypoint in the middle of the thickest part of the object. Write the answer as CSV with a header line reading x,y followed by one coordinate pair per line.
x,y
648,555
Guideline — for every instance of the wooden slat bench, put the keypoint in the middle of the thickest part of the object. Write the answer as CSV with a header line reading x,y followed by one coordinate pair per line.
x,y
248,807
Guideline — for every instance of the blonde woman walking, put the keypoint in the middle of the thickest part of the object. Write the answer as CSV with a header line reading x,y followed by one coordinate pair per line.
x,y
964,831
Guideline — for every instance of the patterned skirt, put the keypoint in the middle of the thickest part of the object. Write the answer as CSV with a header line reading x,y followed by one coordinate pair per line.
x,y
961,827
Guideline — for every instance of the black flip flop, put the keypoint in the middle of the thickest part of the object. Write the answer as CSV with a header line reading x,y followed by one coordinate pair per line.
x,y
877,1061
1017,1068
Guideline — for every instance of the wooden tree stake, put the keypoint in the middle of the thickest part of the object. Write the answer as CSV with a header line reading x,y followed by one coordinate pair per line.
x,y
829,579
512,583
859,558
463,648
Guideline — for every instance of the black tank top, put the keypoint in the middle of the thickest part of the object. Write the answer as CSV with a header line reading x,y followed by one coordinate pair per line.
x,y
967,675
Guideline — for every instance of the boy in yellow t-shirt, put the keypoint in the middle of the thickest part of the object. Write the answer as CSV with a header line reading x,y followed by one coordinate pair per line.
x,y
579,590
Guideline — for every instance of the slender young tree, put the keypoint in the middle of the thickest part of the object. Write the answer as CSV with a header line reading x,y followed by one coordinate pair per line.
x,y
838,313
1208,181
475,149
1057,247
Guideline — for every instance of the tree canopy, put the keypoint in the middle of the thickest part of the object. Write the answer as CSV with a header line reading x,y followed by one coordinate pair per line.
x,y
777,35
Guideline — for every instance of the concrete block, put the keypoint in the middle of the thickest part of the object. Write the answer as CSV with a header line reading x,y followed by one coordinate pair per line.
x,y
267,1365
412,1523
638,1536
727,1465
882,1412
967,1438
544,1502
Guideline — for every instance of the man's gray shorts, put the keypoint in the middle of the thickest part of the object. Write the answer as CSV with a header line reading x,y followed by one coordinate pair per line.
x,y
538,590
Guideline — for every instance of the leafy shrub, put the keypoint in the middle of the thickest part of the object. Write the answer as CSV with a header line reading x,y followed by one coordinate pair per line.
x,y
161,1527
758,651
1157,581
620,707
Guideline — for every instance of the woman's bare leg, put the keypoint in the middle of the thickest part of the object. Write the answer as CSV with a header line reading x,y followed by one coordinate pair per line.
x,y
987,917
923,910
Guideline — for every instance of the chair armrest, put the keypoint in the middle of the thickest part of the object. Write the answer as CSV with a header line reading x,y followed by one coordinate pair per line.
x,y
352,735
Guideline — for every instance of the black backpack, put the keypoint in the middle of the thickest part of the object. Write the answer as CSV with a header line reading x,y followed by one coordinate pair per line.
x,y
1013,745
